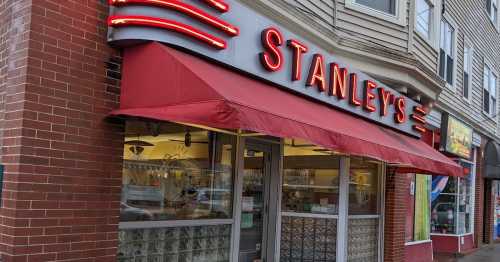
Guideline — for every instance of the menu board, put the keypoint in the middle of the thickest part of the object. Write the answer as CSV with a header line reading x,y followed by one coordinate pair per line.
x,y
456,136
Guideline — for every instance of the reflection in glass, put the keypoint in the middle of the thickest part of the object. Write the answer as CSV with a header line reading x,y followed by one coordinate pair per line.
x,y
252,207
310,179
364,210
363,187
176,173
452,209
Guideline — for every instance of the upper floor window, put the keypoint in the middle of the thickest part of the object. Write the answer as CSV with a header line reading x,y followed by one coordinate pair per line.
x,y
467,77
386,6
489,92
492,8
447,52
423,15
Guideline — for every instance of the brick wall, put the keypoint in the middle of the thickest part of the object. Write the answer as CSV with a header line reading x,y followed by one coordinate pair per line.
x,y
63,159
395,217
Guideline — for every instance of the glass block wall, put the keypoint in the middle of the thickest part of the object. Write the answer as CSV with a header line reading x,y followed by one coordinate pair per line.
x,y
175,244
363,240
308,239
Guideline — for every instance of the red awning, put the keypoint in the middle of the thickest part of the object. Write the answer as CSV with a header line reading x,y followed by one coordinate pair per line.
x,y
165,84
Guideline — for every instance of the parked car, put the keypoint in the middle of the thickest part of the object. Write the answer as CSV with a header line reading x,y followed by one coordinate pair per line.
x,y
130,213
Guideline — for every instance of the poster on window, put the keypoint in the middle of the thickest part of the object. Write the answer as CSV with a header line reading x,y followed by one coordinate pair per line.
x,y
422,207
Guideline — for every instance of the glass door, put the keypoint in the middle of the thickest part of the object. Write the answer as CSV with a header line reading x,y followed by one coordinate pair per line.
x,y
254,204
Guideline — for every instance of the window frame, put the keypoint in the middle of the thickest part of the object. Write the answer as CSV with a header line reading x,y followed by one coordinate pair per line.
x,y
434,24
398,18
470,66
493,6
457,195
447,20
491,114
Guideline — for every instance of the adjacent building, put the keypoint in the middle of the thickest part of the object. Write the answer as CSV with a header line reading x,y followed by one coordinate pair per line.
x,y
243,130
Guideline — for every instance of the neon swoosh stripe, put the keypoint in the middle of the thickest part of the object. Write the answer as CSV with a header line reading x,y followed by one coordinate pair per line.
x,y
186,9
218,4
120,21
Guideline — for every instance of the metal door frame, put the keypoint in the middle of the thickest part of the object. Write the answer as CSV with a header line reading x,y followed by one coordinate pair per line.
x,y
271,196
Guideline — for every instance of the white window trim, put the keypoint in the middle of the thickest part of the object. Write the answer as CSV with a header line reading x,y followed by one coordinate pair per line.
x,y
497,24
433,39
451,22
495,73
468,44
399,18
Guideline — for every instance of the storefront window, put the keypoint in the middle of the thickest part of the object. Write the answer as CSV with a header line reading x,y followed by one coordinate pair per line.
x,y
175,172
418,207
452,203
309,202
364,209
180,173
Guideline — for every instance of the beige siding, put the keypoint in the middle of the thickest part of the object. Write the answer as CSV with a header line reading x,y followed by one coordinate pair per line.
x,y
425,53
320,11
359,25
472,21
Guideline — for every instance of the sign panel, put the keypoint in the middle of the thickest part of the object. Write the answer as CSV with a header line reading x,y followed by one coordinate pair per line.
x,y
236,36
456,137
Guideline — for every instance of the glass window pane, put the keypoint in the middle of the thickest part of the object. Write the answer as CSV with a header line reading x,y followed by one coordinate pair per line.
x,y
493,85
310,179
309,195
466,85
493,106
442,33
386,6
423,17
465,208
466,59
364,187
178,173
443,216
449,39
486,101
442,63
449,69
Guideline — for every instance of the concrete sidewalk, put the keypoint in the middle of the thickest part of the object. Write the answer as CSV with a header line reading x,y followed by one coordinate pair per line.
x,y
489,253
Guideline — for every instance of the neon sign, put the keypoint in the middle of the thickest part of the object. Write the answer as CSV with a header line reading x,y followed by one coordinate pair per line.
x,y
236,36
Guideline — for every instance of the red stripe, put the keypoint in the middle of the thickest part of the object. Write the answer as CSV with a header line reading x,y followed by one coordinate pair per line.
x,y
418,118
419,128
186,9
420,110
218,4
119,21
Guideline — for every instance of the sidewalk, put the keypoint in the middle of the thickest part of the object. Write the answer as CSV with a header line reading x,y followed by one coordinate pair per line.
x,y
489,253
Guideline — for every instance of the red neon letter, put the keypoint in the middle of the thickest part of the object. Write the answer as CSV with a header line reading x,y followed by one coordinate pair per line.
x,y
369,96
400,116
383,97
298,49
338,81
353,90
272,58
317,73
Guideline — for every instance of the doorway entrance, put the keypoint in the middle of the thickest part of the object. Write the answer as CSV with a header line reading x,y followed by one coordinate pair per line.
x,y
259,187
